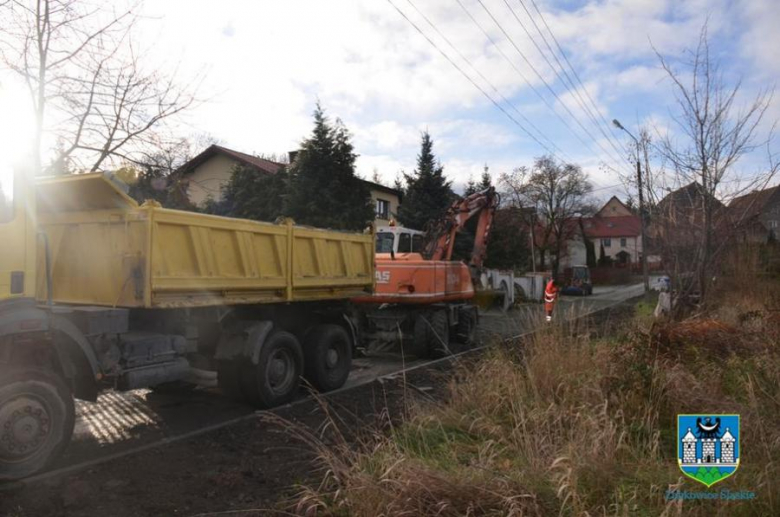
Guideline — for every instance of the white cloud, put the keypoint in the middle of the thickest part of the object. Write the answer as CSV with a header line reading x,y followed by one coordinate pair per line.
x,y
760,44
639,78
266,63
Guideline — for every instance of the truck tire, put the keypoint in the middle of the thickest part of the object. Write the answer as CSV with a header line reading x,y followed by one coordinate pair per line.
x,y
327,357
228,379
36,421
431,334
275,379
466,330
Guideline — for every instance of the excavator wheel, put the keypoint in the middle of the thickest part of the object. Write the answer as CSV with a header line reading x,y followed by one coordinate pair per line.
x,y
431,334
466,330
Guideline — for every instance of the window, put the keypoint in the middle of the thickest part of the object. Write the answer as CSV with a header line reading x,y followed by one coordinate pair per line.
x,y
417,243
773,224
6,196
405,243
382,209
384,242
607,243
623,242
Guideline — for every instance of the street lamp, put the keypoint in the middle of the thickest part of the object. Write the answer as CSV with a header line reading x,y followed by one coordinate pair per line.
x,y
641,205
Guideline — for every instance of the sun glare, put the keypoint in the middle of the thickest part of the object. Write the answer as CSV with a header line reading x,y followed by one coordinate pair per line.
x,y
16,134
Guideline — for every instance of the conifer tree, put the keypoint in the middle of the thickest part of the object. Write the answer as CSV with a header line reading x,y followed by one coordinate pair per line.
x,y
251,194
471,187
485,181
428,193
398,183
323,188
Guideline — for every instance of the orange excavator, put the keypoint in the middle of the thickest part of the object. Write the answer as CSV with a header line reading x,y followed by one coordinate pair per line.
x,y
422,296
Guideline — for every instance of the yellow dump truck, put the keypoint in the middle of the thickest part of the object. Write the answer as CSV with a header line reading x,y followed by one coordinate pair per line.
x,y
99,292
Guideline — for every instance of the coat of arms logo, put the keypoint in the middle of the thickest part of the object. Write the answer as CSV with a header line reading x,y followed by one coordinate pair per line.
x,y
708,446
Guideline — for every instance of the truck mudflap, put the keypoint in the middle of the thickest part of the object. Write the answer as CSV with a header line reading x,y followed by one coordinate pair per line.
x,y
74,353
244,339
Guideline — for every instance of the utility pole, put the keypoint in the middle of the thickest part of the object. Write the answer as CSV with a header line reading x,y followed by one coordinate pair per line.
x,y
642,220
533,251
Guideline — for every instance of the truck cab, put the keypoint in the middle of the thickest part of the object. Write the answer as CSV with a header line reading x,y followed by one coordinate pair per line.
x,y
17,232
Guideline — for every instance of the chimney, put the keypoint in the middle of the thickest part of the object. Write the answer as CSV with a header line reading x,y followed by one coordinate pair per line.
x,y
292,155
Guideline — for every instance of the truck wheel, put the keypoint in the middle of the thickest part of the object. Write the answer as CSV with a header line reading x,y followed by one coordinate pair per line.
x,y
274,380
431,334
466,330
36,421
228,379
327,357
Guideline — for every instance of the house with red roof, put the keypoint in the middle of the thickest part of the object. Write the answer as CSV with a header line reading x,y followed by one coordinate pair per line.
x,y
208,172
616,230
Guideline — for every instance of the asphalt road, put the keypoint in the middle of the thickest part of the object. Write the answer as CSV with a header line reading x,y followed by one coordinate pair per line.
x,y
122,422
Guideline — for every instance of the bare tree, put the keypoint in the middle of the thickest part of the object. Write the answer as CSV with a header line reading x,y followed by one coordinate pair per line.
x,y
557,194
715,133
86,81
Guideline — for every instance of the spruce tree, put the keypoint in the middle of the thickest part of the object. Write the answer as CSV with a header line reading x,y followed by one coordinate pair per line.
x,y
471,187
398,184
324,190
485,182
507,244
428,193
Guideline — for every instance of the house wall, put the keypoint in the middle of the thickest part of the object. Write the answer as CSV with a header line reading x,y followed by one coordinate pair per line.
x,y
613,208
633,247
576,254
770,216
208,179
390,198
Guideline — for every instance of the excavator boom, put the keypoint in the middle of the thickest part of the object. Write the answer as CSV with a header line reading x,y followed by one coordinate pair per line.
x,y
440,234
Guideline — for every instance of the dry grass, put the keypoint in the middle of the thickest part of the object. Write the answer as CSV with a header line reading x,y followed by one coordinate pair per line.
x,y
576,425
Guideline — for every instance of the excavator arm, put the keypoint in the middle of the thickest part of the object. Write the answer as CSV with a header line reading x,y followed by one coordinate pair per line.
x,y
440,234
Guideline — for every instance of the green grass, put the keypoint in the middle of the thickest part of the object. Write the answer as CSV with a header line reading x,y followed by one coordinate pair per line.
x,y
646,305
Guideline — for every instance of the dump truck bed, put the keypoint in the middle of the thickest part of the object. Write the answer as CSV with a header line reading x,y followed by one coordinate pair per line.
x,y
107,250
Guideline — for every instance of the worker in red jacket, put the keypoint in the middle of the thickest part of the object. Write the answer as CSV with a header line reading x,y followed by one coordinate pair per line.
x,y
550,297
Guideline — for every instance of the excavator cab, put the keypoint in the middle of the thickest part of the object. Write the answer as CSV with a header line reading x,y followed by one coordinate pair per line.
x,y
397,239
17,233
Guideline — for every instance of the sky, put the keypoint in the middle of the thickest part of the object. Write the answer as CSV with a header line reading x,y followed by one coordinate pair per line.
x,y
261,66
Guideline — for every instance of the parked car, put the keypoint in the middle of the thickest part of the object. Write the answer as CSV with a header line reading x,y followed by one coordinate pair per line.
x,y
576,281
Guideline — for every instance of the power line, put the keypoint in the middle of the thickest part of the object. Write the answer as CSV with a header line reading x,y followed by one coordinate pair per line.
x,y
565,58
544,81
481,75
523,77
571,86
478,87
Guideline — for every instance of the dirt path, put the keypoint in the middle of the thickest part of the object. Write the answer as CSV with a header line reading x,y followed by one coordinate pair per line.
x,y
250,465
